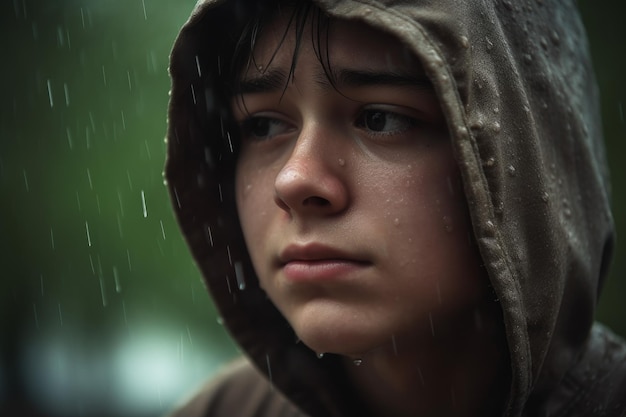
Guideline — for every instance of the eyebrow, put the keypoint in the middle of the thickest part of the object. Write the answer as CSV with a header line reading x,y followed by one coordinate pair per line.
x,y
276,79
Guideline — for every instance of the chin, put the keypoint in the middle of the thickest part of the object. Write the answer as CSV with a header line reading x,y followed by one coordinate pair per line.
x,y
340,335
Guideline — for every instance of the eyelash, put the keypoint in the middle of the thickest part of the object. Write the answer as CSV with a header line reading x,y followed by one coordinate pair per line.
x,y
249,124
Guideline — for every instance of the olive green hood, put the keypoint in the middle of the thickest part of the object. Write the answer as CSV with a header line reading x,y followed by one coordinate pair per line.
x,y
516,86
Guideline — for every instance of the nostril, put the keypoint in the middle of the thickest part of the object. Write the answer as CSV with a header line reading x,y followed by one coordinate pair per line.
x,y
315,201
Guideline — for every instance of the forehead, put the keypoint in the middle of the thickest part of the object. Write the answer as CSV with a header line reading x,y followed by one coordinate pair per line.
x,y
347,43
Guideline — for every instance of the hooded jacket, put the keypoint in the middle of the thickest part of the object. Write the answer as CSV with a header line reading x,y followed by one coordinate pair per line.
x,y
516,86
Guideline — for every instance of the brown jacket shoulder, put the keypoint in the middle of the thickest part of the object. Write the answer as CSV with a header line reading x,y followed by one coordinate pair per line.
x,y
238,390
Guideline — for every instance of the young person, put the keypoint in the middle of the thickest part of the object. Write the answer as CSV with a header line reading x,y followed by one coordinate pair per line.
x,y
400,210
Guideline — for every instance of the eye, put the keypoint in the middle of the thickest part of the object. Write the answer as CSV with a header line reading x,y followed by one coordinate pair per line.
x,y
264,128
382,121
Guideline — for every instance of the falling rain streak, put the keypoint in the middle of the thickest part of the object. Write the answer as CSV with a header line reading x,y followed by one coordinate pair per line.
x,y
116,278
162,229
241,282
143,204
50,94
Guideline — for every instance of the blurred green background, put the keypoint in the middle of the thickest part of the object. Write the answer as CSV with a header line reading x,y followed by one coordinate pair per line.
x,y
102,310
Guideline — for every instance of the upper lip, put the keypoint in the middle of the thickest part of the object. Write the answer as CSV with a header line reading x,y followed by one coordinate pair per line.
x,y
316,252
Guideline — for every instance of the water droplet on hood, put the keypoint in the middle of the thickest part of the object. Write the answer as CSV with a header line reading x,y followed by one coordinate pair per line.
x,y
320,355
511,170
489,44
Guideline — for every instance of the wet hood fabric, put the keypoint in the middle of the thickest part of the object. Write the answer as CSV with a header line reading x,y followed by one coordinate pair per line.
x,y
515,83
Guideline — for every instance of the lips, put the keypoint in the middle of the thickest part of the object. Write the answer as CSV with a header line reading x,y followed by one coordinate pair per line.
x,y
316,262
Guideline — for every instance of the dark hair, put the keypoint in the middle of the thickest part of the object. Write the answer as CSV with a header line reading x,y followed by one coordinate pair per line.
x,y
299,14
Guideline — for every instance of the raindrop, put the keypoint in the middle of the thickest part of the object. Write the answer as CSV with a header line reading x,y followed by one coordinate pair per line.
x,y
102,292
210,234
464,42
566,208
545,197
67,95
123,120
241,282
528,59
69,138
143,4
220,320
52,238
41,283
119,225
88,235
320,355
490,224
357,362
489,44
447,224
82,17
116,278
130,85
511,170
396,222
198,66
162,229
342,162
490,162
193,94
104,75
394,345
189,335
497,127
50,94
143,204
124,313
60,40
130,268
148,150
269,370
554,36
119,198
230,142
26,181
60,315
89,178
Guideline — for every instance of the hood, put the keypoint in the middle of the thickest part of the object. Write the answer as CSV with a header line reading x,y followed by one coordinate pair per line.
x,y
516,86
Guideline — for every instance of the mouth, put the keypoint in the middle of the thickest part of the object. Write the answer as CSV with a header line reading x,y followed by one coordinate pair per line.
x,y
316,262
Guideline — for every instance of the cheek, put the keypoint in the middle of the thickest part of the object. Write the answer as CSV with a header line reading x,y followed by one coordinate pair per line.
x,y
254,198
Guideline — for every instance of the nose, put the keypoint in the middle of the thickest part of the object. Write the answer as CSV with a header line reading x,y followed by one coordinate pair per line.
x,y
313,179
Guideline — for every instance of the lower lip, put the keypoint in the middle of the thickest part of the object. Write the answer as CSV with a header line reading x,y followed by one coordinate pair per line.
x,y
321,270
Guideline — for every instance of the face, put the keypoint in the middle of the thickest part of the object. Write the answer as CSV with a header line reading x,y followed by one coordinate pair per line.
x,y
348,194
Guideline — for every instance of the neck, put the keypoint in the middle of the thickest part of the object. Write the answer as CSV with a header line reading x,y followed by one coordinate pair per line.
x,y
444,374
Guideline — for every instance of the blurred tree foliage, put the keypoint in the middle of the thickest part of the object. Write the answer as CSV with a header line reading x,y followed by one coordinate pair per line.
x,y
91,258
